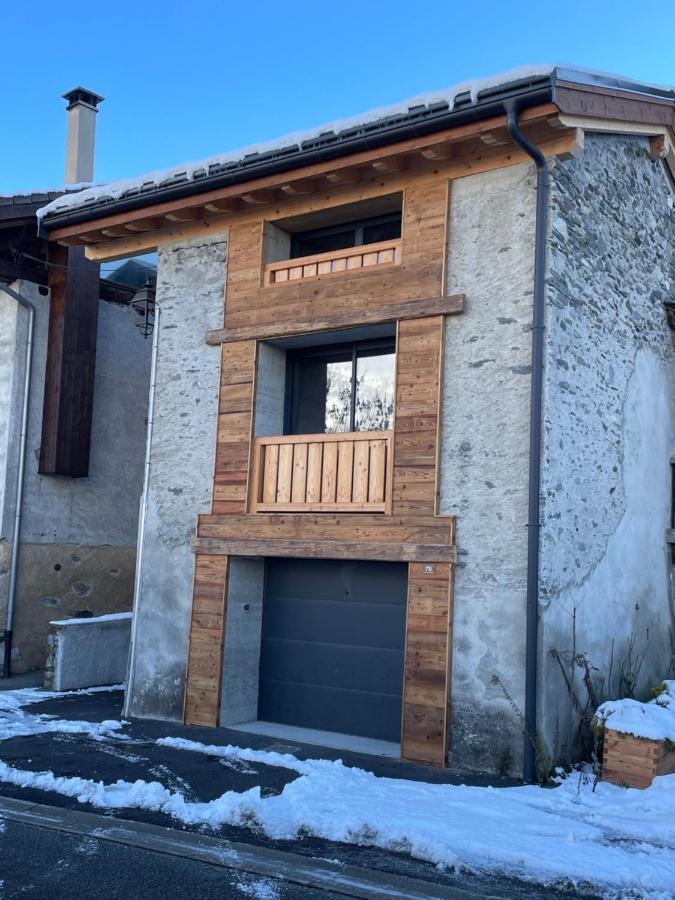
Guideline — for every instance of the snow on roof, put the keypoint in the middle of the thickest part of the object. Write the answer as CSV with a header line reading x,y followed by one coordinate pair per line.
x,y
114,190
654,720
39,192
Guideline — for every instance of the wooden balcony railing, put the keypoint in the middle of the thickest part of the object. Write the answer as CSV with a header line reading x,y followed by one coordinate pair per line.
x,y
346,472
385,253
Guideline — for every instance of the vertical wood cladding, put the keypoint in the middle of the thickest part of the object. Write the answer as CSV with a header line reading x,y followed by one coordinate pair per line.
x,y
207,633
233,443
426,688
416,432
419,276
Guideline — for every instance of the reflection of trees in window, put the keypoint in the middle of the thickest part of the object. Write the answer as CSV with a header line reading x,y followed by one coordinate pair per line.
x,y
374,399
338,397
345,388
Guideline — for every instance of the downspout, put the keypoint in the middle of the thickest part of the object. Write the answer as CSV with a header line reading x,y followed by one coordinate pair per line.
x,y
131,665
14,561
536,396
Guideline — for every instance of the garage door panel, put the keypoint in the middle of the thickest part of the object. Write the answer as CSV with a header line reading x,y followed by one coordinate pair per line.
x,y
351,712
308,578
333,634
365,623
333,665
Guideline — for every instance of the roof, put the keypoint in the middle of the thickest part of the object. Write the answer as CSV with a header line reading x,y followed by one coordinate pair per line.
x,y
423,114
25,205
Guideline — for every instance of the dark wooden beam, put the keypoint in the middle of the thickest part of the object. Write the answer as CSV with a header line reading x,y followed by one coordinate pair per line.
x,y
71,363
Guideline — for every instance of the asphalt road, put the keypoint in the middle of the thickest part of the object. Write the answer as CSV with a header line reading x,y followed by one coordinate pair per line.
x,y
43,864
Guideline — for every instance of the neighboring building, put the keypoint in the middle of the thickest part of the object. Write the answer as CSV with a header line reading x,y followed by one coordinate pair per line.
x,y
341,522
85,432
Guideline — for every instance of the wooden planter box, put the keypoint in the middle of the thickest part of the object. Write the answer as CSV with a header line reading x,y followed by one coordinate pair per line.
x,y
634,762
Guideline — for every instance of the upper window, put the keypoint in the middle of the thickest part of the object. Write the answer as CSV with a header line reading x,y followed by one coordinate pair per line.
x,y
340,237
348,238
347,387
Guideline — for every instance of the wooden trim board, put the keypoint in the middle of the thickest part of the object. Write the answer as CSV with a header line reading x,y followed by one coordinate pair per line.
x,y
453,304
207,634
427,665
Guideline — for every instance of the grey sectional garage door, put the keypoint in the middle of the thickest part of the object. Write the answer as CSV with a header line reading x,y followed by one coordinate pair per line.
x,y
332,646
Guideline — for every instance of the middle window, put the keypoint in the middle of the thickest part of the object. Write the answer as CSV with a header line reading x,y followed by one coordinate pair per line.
x,y
344,387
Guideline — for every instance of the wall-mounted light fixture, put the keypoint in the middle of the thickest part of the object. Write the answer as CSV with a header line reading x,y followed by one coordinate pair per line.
x,y
143,302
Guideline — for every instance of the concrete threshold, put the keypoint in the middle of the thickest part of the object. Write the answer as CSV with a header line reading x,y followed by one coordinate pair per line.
x,y
349,742
346,880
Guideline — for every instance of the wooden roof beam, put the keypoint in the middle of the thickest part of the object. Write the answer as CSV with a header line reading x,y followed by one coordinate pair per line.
x,y
299,188
152,223
258,198
438,152
187,214
390,164
223,205
115,231
344,176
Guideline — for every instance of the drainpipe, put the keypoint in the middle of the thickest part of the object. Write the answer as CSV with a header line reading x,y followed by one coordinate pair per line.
x,y
13,565
536,394
131,666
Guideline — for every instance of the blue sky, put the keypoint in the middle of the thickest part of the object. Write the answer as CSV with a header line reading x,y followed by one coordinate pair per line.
x,y
184,80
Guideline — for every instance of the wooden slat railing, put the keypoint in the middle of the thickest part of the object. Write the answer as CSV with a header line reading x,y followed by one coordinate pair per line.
x,y
348,472
385,253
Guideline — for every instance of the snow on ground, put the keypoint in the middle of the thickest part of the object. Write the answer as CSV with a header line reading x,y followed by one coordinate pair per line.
x,y
605,838
654,720
16,723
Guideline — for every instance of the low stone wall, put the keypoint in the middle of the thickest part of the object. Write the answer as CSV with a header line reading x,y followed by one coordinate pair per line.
x,y
88,652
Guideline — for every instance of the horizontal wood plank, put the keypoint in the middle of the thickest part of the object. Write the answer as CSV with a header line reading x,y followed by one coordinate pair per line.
x,y
453,304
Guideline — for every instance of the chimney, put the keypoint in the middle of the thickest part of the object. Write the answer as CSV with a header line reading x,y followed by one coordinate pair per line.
x,y
82,109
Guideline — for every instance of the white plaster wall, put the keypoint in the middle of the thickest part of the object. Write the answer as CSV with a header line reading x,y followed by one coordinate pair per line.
x,y
190,292
609,428
484,456
102,508
78,535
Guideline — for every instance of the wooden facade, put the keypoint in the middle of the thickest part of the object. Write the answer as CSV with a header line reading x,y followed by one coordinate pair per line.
x,y
338,496
355,496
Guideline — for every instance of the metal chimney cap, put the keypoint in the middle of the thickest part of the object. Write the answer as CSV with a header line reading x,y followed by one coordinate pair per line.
x,y
82,95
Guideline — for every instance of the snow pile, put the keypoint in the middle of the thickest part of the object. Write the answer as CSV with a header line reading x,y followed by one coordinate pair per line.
x,y
114,190
16,723
654,720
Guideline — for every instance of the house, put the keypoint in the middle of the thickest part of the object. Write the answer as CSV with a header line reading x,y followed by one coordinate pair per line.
x,y
413,427
87,390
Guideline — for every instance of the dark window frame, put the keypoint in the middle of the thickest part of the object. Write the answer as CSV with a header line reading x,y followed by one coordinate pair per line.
x,y
358,228
353,350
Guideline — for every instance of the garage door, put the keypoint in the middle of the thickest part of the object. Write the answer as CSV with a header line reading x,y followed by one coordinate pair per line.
x,y
332,646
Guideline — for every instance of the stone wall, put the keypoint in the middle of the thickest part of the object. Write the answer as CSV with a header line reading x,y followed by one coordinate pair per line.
x,y
609,428
484,457
190,292
78,535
